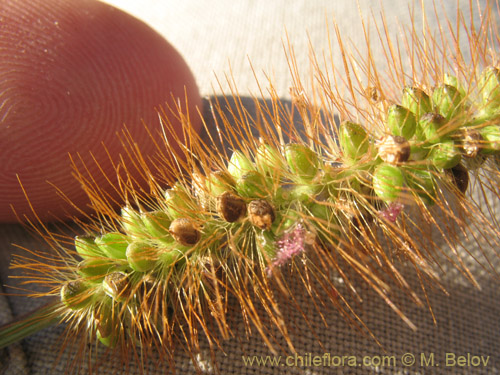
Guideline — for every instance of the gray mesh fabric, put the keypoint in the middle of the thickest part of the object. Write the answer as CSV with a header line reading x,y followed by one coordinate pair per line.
x,y
463,322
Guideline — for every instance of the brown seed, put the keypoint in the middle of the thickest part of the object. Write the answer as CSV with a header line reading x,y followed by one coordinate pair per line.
x,y
116,285
231,207
460,177
184,231
261,214
394,149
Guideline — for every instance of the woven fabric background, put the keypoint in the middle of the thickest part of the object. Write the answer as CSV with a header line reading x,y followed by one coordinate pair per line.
x,y
244,40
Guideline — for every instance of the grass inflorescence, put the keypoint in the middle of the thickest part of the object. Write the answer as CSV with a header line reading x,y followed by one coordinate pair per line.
x,y
355,199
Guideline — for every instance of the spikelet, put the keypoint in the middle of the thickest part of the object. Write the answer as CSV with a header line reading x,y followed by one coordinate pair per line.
x,y
219,227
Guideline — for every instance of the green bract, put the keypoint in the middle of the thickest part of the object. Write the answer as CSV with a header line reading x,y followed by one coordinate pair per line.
x,y
157,223
179,202
353,140
132,222
266,243
239,164
76,294
320,211
445,155
416,100
86,247
326,224
113,244
302,161
489,87
418,151
141,256
447,100
109,341
252,185
388,182
453,81
219,182
430,127
330,180
94,269
167,258
106,325
401,121
268,159
421,183
491,139
304,192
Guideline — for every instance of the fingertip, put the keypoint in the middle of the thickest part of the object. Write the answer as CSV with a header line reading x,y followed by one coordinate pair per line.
x,y
70,78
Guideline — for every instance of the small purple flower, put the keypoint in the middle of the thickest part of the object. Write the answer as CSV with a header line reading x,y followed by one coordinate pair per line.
x,y
391,212
290,244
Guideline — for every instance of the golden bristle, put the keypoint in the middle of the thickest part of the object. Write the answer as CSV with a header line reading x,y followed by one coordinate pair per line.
x,y
232,274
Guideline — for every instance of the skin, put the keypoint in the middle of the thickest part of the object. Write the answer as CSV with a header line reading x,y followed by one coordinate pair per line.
x,y
71,75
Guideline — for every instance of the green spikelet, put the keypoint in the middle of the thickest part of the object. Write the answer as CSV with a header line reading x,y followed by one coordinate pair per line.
x,y
417,101
141,256
401,121
302,161
113,244
489,87
354,140
448,100
388,182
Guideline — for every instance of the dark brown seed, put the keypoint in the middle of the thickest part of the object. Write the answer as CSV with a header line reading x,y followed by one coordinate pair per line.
x,y
261,213
184,231
394,149
460,177
231,207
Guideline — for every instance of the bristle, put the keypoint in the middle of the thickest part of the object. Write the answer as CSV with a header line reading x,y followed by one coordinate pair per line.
x,y
366,198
